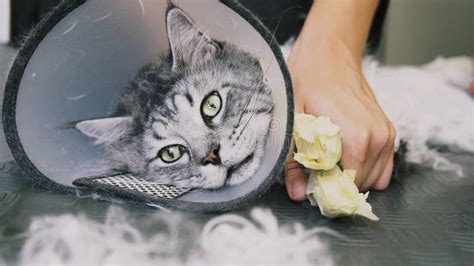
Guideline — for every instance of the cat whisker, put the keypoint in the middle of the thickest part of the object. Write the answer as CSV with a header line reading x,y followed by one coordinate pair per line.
x,y
273,35
245,109
275,31
272,108
172,181
270,44
247,123
199,189
253,101
253,114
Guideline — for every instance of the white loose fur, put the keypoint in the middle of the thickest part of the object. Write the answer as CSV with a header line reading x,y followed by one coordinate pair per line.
x,y
226,239
428,104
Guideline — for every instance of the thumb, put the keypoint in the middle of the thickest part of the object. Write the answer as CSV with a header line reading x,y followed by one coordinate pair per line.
x,y
295,179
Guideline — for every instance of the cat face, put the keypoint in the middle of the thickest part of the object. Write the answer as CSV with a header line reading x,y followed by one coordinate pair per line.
x,y
197,119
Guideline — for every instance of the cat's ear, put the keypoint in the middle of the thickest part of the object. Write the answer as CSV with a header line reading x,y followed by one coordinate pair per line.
x,y
189,45
106,130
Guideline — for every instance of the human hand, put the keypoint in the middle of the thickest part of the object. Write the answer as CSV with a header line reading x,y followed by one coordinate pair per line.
x,y
333,85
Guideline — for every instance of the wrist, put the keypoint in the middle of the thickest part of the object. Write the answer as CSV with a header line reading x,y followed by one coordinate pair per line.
x,y
329,57
336,30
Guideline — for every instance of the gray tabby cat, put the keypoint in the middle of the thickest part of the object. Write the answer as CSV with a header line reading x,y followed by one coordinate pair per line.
x,y
198,118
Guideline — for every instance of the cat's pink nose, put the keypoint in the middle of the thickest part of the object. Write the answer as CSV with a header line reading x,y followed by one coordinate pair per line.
x,y
212,157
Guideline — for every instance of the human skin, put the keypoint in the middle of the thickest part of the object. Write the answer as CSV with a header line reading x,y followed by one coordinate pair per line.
x,y
326,69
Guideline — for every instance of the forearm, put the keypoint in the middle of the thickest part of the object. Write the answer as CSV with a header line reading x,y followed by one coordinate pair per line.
x,y
335,25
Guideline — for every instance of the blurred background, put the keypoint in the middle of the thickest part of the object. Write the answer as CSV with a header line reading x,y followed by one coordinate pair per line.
x,y
417,31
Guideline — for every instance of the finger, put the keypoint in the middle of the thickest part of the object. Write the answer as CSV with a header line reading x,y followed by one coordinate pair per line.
x,y
385,157
373,167
355,157
380,151
357,164
379,167
296,180
374,174
383,182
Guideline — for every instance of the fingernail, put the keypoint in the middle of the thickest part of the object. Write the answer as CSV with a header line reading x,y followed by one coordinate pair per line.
x,y
298,190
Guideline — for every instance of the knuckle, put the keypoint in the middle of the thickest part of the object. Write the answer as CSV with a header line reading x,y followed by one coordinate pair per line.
x,y
360,142
381,136
393,132
292,165
382,184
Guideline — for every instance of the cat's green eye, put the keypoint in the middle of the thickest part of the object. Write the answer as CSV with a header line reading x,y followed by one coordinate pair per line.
x,y
212,105
171,153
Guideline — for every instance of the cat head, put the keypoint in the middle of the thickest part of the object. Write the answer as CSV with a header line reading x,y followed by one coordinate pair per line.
x,y
199,118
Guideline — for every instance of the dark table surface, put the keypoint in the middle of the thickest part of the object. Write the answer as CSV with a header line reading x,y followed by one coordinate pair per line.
x,y
426,216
